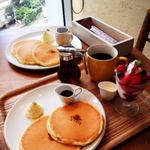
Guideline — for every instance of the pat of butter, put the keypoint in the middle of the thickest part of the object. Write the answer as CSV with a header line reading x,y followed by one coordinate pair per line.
x,y
34,111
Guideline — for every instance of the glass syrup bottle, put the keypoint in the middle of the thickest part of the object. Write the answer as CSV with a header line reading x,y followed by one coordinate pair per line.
x,y
68,71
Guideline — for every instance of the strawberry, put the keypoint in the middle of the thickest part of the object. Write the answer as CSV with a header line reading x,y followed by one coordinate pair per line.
x,y
136,80
121,68
133,71
135,67
132,79
127,78
133,74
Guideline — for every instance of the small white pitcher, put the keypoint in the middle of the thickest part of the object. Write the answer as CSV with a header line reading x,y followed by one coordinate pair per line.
x,y
67,94
63,36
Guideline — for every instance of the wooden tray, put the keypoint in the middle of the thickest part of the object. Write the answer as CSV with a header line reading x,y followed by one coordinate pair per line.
x,y
118,129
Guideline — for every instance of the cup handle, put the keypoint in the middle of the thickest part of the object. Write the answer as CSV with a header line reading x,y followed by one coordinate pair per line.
x,y
78,91
71,36
123,59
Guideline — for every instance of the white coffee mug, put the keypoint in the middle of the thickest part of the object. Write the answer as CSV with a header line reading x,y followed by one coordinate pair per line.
x,y
67,93
63,36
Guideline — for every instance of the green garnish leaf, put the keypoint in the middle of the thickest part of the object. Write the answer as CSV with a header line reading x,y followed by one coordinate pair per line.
x,y
34,103
138,62
48,30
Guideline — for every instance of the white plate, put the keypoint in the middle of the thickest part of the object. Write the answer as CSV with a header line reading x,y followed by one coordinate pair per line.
x,y
16,121
35,35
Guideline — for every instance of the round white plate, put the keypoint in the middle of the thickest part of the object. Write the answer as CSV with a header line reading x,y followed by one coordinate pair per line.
x,y
16,121
35,35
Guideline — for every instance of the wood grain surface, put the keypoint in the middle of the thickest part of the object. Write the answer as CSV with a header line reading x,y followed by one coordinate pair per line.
x,y
121,132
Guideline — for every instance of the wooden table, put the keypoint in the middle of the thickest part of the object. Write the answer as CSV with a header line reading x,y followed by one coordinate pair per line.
x,y
121,132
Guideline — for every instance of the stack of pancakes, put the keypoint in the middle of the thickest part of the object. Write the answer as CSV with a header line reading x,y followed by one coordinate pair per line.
x,y
33,52
69,128
36,137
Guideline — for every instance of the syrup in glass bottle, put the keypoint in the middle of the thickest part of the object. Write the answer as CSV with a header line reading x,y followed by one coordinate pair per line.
x,y
68,71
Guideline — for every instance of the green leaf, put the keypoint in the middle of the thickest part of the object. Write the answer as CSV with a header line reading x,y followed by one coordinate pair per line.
x,y
48,30
34,103
138,62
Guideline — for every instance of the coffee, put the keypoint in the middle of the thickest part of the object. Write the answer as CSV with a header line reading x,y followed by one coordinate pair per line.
x,y
101,56
66,93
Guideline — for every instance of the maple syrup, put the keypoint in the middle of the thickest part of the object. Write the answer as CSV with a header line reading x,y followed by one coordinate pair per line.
x,y
68,71
66,93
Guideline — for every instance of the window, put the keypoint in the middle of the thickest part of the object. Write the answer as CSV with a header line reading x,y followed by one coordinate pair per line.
x,y
6,11
58,12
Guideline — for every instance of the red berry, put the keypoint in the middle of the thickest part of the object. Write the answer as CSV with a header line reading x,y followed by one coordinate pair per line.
x,y
144,72
127,78
120,74
121,68
136,80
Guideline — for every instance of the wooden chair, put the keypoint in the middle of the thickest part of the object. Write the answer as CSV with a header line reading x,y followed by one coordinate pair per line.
x,y
144,32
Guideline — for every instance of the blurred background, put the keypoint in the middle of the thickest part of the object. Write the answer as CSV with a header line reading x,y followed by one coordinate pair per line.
x,y
125,15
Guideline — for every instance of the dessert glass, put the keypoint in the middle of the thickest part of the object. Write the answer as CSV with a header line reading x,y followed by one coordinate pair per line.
x,y
128,95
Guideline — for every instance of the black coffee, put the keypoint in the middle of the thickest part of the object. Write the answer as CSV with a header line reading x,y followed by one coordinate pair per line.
x,y
101,56
66,93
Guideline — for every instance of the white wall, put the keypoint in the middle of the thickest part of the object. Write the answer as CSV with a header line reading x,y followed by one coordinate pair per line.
x,y
123,14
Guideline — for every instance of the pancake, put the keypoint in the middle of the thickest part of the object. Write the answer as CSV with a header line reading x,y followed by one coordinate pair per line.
x,y
24,52
36,137
17,44
46,55
76,124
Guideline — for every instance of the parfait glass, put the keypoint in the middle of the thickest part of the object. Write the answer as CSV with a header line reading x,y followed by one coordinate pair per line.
x,y
127,105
